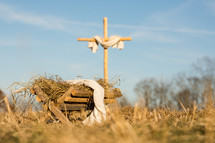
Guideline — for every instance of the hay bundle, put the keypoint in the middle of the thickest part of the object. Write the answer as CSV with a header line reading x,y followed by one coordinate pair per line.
x,y
54,86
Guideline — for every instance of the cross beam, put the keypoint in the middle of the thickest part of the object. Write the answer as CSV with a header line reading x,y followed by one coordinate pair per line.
x,y
105,39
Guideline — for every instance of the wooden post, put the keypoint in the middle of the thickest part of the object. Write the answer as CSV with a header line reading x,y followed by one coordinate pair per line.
x,y
105,52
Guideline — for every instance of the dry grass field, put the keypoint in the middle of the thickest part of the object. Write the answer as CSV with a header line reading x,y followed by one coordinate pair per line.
x,y
125,124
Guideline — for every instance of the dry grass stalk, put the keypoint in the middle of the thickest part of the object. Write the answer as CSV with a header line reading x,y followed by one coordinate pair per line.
x,y
11,116
127,124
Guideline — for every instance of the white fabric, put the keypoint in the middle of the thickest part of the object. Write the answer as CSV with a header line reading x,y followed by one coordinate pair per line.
x,y
98,114
114,41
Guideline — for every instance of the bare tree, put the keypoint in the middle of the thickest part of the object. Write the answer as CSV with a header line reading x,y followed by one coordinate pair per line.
x,y
205,68
123,102
187,90
197,86
154,92
162,92
144,89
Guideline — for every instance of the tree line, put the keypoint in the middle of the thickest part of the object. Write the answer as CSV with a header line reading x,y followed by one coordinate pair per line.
x,y
194,87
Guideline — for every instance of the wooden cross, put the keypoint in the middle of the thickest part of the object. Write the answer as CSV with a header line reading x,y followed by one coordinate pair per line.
x,y
105,39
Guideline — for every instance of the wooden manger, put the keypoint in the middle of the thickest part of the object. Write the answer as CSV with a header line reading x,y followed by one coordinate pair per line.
x,y
75,99
72,100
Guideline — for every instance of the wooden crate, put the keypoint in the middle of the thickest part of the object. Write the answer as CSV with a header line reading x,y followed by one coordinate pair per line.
x,y
72,100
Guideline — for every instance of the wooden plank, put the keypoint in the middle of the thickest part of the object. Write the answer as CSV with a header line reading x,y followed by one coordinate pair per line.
x,y
114,93
73,107
82,93
38,99
106,39
86,100
76,100
40,93
32,91
58,114
67,93
109,101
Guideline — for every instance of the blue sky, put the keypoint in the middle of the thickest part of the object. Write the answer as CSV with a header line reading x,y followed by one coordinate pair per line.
x,y
38,37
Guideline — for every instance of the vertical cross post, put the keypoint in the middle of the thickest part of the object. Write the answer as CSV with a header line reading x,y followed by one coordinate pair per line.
x,y
105,51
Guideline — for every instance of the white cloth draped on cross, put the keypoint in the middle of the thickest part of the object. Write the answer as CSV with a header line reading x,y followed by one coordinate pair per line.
x,y
114,42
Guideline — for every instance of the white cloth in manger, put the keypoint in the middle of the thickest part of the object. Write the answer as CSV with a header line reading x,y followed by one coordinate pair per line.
x,y
98,114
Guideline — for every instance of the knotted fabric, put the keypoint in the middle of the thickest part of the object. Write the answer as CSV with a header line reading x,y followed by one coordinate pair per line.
x,y
114,42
